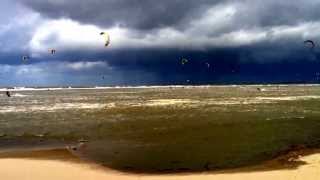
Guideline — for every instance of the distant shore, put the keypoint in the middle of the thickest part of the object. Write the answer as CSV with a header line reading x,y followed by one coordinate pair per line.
x,y
42,88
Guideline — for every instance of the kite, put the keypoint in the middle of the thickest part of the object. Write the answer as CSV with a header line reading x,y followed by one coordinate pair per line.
x,y
106,37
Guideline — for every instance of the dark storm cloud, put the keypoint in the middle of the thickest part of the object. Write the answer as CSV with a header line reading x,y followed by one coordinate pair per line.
x,y
251,64
137,14
244,41
146,14
262,13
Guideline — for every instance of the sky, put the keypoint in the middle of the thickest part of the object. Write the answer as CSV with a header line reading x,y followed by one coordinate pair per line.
x,y
224,41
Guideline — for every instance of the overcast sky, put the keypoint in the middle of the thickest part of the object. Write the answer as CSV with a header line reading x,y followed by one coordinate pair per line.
x,y
244,41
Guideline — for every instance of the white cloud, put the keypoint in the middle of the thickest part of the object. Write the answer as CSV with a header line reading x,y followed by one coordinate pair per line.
x,y
25,70
215,20
302,30
57,67
214,29
60,72
17,28
68,73
65,34
82,65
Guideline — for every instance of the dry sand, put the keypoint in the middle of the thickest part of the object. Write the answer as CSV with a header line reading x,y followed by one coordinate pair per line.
x,y
59,164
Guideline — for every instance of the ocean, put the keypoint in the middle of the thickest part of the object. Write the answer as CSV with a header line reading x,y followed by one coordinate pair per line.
x,y
163,128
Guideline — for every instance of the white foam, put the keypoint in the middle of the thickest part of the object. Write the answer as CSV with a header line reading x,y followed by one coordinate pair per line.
x,y
259,100
225,101
239,102
19,95
167,102
288,98
52,108
156,87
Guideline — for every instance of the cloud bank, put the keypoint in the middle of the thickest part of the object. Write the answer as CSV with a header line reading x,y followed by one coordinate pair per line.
x,y
241,39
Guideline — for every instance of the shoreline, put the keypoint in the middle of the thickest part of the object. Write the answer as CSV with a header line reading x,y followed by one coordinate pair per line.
x,y
61,164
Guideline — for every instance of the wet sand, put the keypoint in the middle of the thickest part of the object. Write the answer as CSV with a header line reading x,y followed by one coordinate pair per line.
x,y
60,164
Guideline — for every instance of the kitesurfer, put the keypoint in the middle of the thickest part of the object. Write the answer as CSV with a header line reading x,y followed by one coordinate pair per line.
x,y
8,93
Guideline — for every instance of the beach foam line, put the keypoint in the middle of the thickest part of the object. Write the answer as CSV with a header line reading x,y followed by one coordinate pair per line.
x,y
155,87
19,95
51,108
154,103
167,102
288,98
229,101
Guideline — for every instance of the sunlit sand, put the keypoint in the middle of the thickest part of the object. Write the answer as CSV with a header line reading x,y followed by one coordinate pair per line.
x,y
41,165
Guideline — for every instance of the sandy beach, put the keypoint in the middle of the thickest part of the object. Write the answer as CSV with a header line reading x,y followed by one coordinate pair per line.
x,y
60,164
